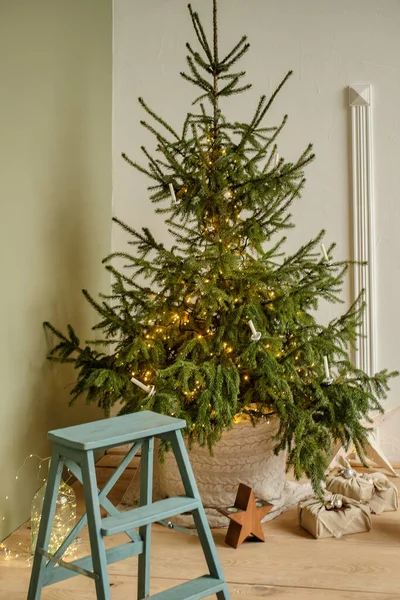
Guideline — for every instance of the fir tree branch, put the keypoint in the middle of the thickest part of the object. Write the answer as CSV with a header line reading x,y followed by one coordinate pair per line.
x,y
158,119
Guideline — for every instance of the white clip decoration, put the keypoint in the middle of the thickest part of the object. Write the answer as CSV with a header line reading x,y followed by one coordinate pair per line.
x,y
256,335
172,191
325,254
328,379
149,389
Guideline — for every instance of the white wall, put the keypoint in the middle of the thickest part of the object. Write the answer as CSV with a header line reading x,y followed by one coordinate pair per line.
x,y
329,45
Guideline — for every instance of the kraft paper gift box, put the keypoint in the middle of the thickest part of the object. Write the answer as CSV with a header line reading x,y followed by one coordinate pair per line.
x,y
358,488
352,517
385,496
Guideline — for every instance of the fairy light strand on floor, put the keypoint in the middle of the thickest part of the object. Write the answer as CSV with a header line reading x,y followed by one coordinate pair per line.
x,y
22,551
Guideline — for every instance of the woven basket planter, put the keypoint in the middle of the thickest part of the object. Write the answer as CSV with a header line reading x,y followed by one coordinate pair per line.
x,y
245,454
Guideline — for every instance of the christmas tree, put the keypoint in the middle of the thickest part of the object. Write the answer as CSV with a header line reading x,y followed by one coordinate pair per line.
x,y
222,323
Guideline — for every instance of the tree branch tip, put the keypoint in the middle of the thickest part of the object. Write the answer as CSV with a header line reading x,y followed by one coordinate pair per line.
x,y
192,12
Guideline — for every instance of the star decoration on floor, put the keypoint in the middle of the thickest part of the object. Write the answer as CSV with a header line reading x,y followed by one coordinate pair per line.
x,y
245,517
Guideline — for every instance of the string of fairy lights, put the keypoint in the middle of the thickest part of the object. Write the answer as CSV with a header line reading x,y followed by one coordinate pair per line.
x,y
64,521
256,336
20,551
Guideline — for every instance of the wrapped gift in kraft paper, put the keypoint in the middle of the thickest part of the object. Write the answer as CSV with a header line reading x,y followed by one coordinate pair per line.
x,y
385,496
336,517
355,487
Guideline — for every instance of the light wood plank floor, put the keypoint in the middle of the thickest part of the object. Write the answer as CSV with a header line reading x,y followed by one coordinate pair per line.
x,y
290,565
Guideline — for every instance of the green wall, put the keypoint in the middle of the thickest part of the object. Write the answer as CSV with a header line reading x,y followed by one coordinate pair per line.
x,y
55,225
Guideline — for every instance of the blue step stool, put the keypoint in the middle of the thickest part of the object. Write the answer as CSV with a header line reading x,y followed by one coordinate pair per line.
x,y
74,448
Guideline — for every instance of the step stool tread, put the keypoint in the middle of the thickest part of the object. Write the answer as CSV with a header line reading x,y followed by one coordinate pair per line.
x,y
115,431
192,590
113,555
151,513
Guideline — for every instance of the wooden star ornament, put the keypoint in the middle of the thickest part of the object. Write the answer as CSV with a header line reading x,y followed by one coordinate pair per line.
x,y
245,517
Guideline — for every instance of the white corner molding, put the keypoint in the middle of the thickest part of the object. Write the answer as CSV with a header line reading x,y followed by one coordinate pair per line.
x,y
363,221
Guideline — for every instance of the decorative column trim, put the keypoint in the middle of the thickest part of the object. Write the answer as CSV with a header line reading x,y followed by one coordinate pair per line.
x,y
363,221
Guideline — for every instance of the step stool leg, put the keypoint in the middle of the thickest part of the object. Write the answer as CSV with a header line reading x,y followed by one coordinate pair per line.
x,y
97,548
199,515
46,523
146,497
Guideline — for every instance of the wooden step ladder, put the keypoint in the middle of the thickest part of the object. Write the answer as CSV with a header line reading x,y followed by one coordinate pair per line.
x,y
74,448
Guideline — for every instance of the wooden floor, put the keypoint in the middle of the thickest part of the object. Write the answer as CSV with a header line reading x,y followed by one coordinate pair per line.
x,y
290,565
